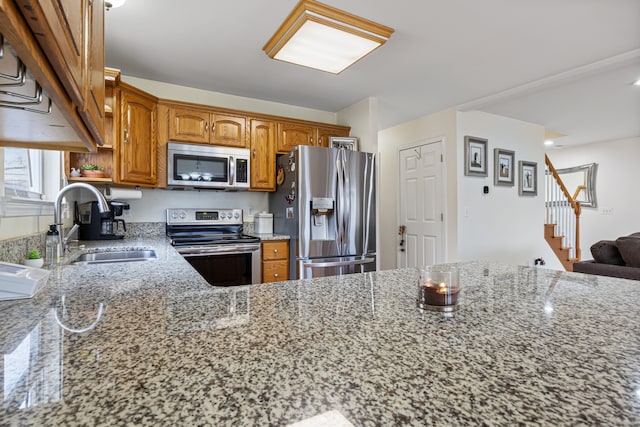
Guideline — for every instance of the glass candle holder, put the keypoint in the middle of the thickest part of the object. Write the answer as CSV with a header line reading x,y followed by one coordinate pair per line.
x,y
438,288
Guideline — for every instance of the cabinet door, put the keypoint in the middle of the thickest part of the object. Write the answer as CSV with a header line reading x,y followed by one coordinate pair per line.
x,y
60,29
324,133
229,131
292,134
93,113
263,156
188,125
138,144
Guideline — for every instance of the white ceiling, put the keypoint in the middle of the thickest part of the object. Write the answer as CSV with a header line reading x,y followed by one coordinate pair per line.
x,y
565,64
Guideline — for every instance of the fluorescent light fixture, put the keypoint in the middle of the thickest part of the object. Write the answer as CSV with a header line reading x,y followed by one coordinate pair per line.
x,y
549,142
318,36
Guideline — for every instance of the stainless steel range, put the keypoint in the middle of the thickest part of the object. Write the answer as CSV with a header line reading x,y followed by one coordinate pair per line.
x,y
213,243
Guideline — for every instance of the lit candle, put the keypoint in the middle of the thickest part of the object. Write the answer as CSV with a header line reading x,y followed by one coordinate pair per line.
x,y
439,294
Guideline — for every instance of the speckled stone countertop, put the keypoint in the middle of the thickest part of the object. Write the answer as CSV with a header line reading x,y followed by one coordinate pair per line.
x,y
527,347
265,236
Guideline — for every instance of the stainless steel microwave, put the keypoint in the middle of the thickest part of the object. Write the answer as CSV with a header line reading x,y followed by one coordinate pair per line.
x,y
207,166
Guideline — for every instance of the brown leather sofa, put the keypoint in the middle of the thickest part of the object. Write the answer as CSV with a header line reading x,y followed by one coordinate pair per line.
x,y
619,258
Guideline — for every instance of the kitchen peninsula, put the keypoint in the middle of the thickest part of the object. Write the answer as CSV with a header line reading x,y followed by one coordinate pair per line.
x,y
155,345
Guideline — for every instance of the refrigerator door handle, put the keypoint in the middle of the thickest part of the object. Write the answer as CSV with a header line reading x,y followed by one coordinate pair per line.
x,y
369,171
341,200
346,190
329,264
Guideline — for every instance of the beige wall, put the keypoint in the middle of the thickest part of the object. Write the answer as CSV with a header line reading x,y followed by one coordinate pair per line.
x,y
501,226
205,97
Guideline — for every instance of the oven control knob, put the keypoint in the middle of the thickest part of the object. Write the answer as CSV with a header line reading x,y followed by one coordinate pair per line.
x,y
236,215
174,215
183,215
223,215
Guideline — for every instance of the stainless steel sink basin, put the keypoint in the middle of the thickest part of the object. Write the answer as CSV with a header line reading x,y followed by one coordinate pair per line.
x,y
115,256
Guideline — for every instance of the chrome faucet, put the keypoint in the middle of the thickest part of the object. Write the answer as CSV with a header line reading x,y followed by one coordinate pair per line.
x,y
103,206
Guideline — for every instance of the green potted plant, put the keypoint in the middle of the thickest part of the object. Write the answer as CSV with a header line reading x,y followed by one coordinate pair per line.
x,y
90,170
34,259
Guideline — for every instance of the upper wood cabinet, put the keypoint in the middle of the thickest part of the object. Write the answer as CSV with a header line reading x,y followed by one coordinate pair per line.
x,y
130,156
93,113
136,154
71,34
324,133
207,127
291,134
60,28
263,155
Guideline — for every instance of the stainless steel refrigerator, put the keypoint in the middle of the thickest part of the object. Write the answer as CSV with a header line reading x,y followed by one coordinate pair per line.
x,y
326,201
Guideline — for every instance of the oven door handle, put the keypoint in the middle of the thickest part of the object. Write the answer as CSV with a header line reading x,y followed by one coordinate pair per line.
x,y
222,250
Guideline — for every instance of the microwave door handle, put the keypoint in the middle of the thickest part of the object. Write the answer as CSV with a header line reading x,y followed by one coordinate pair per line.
x,y
232,170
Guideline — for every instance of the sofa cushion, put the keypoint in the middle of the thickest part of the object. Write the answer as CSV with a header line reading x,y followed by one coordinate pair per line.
x,y
592,267
606,252
629,248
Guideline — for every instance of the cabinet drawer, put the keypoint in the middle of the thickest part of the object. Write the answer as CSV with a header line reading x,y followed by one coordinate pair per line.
x,y
275,271
275,250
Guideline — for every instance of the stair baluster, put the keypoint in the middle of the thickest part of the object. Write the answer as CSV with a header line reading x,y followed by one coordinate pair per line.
x,y
562,214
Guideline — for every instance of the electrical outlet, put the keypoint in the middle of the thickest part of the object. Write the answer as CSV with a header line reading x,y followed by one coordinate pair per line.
x,y
606,211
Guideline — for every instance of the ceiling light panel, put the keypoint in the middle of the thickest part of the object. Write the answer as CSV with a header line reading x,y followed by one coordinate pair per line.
x,y
318,36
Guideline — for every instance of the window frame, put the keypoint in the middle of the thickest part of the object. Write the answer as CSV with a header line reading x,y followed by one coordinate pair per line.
x,y
45,168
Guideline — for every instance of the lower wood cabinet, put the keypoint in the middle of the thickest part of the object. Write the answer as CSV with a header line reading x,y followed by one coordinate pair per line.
x,y
275,260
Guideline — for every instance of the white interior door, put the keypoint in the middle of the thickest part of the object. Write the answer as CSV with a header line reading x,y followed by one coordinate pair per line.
x,y
421,205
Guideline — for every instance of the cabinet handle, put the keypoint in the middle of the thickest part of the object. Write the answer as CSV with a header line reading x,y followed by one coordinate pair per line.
x,y
126,136
275,251
275,275
206,127
254,154
213,127
310,140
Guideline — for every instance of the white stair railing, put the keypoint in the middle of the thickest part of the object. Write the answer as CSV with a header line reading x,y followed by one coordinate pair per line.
x,y
562,210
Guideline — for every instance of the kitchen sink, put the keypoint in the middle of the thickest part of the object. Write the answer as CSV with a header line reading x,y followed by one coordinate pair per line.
x,y
116,256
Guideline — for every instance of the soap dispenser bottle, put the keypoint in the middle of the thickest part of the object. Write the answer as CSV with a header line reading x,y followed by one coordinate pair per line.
x,y
51,246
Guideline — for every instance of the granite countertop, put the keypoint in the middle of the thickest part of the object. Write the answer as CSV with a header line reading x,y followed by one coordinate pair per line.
x,y
527,346
269,236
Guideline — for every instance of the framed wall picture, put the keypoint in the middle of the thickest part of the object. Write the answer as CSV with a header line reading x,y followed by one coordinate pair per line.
x,y
503,167
475,156
346,142
528,176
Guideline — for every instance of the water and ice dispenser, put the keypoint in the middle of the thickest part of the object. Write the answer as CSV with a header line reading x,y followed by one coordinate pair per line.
x,y
321,212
